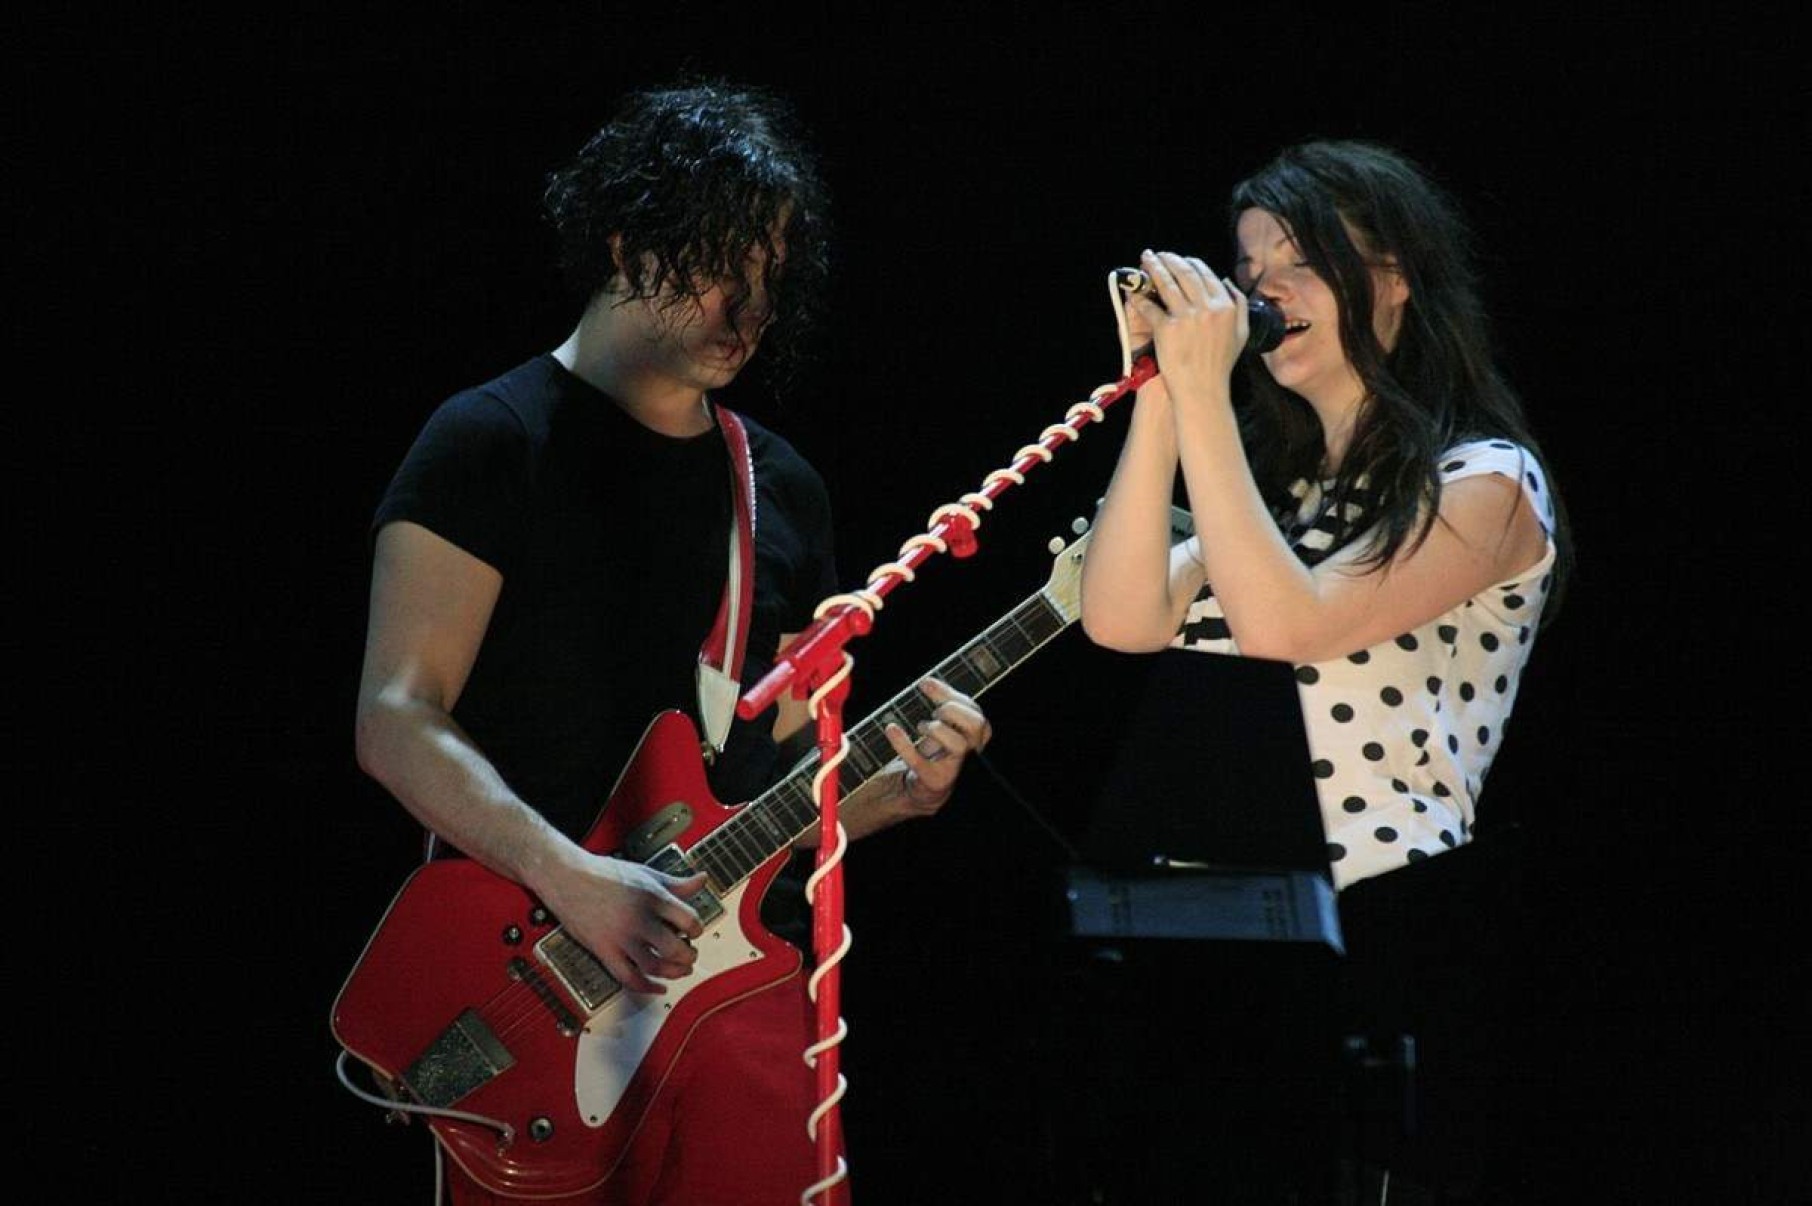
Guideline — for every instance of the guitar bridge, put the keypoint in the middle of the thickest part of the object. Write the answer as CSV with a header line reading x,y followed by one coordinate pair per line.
x,y
466,1055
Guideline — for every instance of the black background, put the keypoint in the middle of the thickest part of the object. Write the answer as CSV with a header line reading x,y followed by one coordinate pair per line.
x,y
270,242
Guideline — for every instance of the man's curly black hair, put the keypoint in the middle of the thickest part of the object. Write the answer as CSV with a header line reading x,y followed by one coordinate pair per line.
x,y
704,182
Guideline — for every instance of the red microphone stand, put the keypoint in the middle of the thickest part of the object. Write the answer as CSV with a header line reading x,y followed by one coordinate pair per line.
x,y
816,668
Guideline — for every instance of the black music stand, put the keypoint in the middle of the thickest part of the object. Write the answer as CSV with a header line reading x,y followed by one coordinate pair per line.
x,y
1205,998
1208,824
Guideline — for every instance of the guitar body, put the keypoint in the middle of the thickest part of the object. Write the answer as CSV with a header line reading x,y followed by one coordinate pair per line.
x,y
467,998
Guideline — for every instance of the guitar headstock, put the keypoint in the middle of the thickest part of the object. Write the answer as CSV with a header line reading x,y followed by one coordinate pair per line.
x,y
1064,589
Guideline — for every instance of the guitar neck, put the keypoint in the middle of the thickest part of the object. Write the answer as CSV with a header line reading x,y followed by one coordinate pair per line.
x,y
779,816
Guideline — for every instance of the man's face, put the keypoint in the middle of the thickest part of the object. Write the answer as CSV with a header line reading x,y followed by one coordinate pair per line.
x,y
693,336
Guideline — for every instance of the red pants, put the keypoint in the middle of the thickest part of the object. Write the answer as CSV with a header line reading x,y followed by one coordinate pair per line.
x,y
729,1127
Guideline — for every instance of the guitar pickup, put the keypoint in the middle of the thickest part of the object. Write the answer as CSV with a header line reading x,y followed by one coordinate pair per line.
x,y
580,972
465,1056
672,861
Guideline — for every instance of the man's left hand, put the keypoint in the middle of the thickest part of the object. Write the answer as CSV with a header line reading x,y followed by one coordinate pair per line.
x,y
933,761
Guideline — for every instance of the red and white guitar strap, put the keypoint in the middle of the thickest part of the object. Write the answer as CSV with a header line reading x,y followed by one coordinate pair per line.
x,y
720,660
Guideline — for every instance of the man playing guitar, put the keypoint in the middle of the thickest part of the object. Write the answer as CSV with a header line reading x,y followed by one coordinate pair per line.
x,y
550,556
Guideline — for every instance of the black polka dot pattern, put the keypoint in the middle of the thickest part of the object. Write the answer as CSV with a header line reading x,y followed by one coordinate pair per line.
x,y
1402,734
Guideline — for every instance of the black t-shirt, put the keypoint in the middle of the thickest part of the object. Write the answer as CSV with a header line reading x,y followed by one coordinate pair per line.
x,y
612,541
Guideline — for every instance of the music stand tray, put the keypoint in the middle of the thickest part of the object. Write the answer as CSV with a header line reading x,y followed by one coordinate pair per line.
x,y
1272,906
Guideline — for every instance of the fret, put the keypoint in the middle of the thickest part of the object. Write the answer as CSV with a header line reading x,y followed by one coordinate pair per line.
x,y
850,776
769,824
738,845
756,838
906,709
746,860
869,754
742,843
976,665
736,868
859,765
795,807
1019,640
1031,632
861,760
981,665
706,856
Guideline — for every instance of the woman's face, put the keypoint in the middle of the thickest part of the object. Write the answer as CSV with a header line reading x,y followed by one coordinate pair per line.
x,y
1311,361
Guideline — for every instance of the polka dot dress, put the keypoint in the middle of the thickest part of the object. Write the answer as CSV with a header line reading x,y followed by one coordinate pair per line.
x,y
1401,735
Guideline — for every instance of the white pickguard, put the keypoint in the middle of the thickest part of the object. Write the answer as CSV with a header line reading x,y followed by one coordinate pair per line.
x,y
618,1037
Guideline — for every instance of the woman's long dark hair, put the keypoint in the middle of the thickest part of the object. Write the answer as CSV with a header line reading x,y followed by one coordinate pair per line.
x,y
1438,386
695,180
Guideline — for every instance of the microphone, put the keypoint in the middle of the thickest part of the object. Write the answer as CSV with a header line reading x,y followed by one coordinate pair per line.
x,y
1265,322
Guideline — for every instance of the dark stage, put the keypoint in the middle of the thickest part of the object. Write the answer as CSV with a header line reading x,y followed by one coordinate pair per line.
x,y
274,241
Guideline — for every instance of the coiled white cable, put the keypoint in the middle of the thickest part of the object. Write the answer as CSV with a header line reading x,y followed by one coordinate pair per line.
x,y
826,866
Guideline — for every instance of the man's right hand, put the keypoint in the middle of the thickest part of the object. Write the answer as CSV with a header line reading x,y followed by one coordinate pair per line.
x,y
633,918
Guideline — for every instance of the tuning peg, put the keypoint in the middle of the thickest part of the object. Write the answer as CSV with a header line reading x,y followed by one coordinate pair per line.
x,y
1055,545
1079,525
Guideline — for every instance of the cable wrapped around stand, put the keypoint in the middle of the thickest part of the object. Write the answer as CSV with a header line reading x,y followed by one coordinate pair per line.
x,y
816,662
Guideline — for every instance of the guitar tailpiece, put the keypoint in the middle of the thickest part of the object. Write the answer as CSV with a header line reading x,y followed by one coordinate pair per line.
x,y
505,1132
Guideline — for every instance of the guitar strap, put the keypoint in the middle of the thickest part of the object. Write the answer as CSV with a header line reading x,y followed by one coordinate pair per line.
x,y
720,659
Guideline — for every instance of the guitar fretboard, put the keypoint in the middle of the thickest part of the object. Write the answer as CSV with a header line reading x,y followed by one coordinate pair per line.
x,y
776,818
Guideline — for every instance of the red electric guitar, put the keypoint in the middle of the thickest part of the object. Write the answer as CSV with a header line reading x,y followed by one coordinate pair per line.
x,y
470,998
